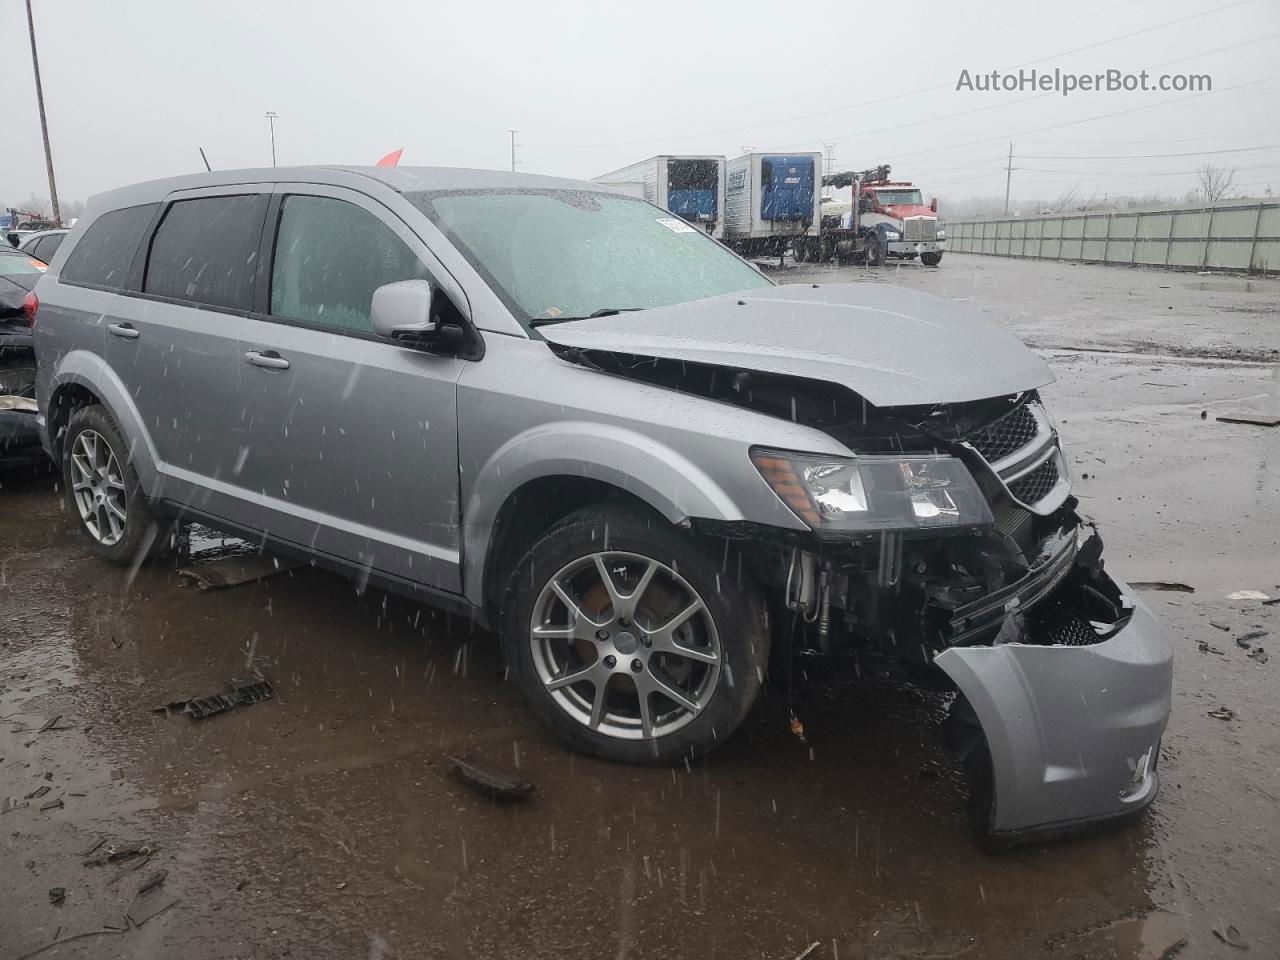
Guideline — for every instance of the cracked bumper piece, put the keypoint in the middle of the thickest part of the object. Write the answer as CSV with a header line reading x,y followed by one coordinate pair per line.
x,y
1073,731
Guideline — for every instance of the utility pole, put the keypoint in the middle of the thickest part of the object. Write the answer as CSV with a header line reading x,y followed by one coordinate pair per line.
x,y
271,119
830,150
1008,179
44,126
513,149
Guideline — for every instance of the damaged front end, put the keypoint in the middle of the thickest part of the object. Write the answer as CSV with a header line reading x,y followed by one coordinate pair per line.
x,y
950,543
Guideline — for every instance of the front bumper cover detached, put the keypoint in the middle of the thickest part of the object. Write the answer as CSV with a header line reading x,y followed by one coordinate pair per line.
x,y
1073,731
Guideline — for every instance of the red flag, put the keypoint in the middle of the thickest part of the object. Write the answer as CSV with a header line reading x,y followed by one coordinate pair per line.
x,y
392,159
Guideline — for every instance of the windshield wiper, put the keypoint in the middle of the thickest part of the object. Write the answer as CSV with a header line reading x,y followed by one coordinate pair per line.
x,y
602,312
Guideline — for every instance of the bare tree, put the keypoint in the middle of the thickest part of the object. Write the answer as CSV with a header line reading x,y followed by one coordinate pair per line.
x,y
1215,182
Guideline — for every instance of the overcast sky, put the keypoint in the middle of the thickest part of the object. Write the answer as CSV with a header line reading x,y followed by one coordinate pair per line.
x,y
134,87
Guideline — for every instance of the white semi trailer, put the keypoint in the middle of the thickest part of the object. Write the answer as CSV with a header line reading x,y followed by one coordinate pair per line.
x,y
770,200
689,185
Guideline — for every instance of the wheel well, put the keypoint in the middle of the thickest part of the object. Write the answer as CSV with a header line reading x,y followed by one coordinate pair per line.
x,y
532,509
65,401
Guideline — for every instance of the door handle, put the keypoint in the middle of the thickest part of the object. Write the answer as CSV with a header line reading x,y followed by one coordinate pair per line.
x,y
125,331
267,358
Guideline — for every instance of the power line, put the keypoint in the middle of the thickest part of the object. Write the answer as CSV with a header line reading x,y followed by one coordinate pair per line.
x,y
1146,156
1072,123
896,96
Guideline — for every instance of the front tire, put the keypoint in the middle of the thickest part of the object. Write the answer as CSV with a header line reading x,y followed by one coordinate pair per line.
x,y
931,259
102,489
875,251
630,640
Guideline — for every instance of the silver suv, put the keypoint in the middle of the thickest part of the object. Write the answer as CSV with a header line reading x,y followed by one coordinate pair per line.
x,y
576,419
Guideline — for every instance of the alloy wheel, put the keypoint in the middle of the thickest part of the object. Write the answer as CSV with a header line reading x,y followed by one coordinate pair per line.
x,y
625,645
98,487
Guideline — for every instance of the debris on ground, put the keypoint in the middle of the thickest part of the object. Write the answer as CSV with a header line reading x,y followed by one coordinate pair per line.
x,y
1249,595
38,792
49,724
51,805
808,950
1259,654
1252,635
1230,935
115,853
152,881
149,904
1223,713
1220,626
239,694
1167,585
10,804
57,895
236,570
1204,647
1254,419
494,783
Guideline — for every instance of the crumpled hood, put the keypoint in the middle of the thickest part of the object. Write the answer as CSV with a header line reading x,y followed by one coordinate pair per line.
x,y
891,345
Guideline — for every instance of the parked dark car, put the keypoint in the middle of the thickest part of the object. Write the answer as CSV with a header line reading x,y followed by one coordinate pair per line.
x,y
19,272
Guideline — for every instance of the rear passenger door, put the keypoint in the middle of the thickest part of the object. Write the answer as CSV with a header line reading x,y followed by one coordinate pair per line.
x,y
352,440
175,344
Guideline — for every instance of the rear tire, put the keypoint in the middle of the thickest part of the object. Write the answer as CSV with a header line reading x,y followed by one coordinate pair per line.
x,y
931,259
102,490
656,683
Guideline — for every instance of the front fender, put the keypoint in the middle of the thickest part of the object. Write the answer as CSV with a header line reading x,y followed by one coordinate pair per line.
x,y
87,369
656,473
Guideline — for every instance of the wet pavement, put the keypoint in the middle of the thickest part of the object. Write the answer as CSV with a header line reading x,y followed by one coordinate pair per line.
x,y
324,822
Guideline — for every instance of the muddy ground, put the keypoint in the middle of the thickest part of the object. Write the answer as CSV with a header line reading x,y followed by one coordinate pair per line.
x,y
323,823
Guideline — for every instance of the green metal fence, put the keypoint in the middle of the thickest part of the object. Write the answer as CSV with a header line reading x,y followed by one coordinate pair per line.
x,y
1233,235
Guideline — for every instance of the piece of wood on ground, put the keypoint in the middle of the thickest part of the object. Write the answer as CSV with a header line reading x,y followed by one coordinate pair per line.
x,y
1256,419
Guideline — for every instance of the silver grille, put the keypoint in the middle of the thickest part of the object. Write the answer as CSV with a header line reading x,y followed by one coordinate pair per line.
x,y
1021,448
920,228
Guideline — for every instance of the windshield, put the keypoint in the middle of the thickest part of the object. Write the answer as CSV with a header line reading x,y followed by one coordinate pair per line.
x,y
561,254
898,198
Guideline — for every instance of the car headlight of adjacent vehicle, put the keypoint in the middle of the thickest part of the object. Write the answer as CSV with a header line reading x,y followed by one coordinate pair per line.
x,y
850,495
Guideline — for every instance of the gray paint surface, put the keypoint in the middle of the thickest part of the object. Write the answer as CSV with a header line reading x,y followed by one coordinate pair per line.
x,y
1068,726
891,345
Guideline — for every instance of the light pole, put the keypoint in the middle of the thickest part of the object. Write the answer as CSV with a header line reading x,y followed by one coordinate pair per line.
x,y
1008,179
513,149
44,126
271,119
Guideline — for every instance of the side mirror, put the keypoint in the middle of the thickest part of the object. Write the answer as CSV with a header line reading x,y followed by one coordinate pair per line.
x,y
933,204
402,312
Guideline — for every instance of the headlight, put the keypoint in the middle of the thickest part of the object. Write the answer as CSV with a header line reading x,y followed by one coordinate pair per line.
x,y
941,234
891,234
866,494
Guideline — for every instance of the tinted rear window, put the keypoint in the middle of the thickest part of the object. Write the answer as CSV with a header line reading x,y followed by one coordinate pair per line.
x,y
46,247
103,255
205,251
